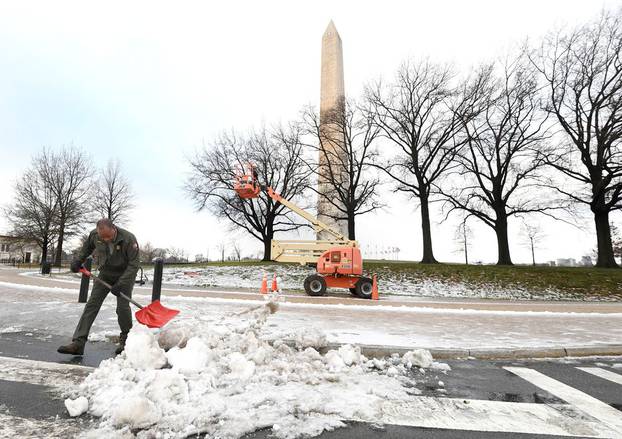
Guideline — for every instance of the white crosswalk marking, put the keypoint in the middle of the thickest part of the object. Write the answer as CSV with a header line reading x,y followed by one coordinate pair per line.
x,y
494,416
584,402
603,373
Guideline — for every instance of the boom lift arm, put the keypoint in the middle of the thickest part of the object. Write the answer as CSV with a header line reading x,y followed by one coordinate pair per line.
x,y
318,225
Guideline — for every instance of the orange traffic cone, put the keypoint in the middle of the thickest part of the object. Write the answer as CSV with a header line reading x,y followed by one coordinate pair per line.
x,y
264,285
374,287
274,285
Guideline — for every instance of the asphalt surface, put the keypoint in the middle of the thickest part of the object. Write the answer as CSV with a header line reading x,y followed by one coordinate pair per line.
x,y
467,380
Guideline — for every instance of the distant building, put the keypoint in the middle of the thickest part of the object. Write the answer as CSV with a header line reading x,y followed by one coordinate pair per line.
x,y
568,262
15,249
586,261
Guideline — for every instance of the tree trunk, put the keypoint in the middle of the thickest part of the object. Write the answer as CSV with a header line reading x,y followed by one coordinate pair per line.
x,y
503,245
466,251
351,226
603,237
267,242
533,253
44,251
267,249
428,254
59,246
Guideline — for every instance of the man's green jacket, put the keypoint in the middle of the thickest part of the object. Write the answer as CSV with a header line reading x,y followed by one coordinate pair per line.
x,y
117,258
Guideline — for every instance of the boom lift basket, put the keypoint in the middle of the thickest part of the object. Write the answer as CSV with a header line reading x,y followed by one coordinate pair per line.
x,y
246,184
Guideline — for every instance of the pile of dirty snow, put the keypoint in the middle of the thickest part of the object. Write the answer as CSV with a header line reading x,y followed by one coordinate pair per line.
x,y
223,380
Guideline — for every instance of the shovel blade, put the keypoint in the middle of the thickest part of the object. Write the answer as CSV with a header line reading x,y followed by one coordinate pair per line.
x,y
155,315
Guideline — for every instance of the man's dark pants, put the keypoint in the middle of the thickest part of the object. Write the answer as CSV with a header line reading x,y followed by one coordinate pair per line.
x,y
91,309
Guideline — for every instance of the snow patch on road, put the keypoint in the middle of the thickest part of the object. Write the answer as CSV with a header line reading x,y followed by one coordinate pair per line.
x,y
10,329
77,406
104,336
223,380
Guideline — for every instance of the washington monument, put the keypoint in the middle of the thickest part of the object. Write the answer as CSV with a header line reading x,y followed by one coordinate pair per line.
x,y
332,97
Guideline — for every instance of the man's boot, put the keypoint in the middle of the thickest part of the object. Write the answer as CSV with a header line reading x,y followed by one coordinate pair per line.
x,y
72,348
121,347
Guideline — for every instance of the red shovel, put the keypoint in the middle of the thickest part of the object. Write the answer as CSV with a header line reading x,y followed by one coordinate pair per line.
x,y
153,315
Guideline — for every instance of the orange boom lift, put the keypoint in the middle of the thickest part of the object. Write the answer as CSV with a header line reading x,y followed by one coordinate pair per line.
x,y
338,261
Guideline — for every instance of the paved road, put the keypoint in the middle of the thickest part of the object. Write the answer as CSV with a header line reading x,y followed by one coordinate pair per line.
x,y
543,398
447,327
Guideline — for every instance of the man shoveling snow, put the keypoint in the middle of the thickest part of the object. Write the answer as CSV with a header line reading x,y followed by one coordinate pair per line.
x,y
117,253
223,380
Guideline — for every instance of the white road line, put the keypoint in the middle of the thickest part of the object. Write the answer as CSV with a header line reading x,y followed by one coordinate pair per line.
x,y
582,401
603,373
494,416
42,372
48,365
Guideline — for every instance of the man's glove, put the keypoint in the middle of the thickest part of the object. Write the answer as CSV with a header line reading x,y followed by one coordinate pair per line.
x,y
76,265
116,289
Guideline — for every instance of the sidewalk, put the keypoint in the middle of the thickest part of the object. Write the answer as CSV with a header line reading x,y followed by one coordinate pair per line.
x,y
449,328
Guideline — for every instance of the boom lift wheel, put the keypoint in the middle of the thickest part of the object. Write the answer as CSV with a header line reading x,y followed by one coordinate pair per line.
x,y
315,285
363,288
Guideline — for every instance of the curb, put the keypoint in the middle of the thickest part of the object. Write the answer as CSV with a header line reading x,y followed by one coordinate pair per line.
x,y
379,351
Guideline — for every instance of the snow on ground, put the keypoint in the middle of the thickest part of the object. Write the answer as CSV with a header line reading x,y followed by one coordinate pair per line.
x,y
390,282
222,379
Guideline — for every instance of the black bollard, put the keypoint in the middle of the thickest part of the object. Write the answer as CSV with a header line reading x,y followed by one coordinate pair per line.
x,y
158,266
46,268
84,283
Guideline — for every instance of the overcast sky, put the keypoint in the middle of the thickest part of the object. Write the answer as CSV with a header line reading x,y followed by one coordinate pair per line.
x,y
148,82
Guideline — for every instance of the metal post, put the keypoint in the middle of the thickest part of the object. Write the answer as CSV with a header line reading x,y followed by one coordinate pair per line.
x,y
158,266
84,283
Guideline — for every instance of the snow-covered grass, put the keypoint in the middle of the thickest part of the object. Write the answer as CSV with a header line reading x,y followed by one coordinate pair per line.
x,y
418,280
504,283
223,379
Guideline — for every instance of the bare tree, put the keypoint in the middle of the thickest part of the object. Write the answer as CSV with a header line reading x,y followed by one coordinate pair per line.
x,y
463,236
420,113
499,167
534,235
176,254
67,174
582,70
148,252
221,247
342,140
278,159
34,211
237,250
113,197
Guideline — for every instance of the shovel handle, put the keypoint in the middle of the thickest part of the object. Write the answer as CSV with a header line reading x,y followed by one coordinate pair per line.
x,y
86,272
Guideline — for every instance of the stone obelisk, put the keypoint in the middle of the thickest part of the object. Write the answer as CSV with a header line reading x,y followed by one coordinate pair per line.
x,y
332,97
